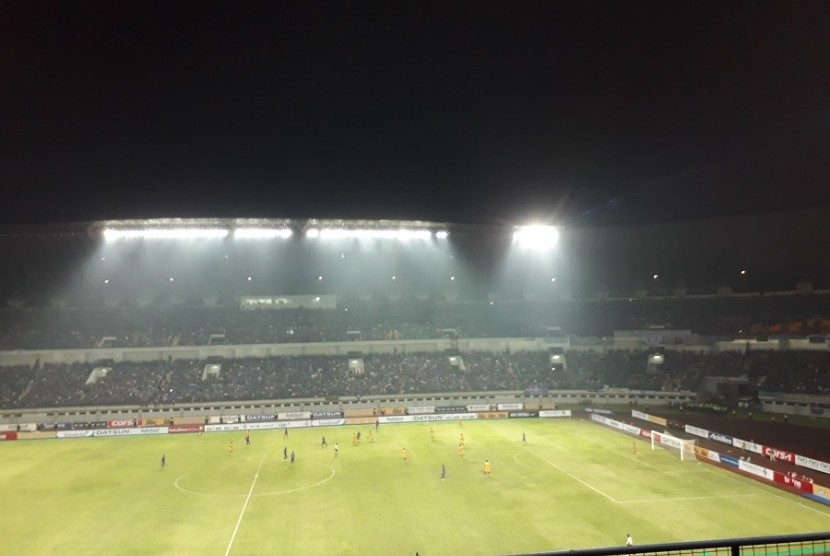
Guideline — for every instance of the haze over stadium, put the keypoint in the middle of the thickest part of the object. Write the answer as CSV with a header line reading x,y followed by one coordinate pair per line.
x,y
425,278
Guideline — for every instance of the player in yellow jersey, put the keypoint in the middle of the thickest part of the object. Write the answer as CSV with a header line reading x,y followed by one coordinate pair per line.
x,y
461,450
461,441
354,439
369,436
486,468
404,455
634,449
230,447
431,434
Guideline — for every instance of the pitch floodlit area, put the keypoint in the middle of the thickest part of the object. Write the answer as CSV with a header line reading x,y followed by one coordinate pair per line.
x,y
573,484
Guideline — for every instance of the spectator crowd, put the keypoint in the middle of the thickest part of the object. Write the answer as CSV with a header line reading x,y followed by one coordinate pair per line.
x,y
171,382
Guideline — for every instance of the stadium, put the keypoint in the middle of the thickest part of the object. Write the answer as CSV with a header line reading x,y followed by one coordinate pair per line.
x,y
322,386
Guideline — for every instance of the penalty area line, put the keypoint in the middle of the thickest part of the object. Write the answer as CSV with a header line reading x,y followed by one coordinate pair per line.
x,y
575,478
245,506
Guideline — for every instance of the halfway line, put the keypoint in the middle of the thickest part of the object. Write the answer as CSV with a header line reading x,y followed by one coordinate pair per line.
x,y
245,506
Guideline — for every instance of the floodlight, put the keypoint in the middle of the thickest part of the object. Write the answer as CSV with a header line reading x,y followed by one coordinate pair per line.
x,y
656,276
114,234
442,234
536,237
262,233
368,233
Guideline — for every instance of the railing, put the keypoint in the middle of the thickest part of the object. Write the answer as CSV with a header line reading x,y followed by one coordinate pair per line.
x,y
812,544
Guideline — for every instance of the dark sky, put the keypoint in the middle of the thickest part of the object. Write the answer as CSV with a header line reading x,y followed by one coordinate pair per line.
x,y
482,112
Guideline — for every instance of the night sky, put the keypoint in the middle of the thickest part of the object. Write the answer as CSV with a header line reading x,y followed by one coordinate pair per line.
x,y
589,113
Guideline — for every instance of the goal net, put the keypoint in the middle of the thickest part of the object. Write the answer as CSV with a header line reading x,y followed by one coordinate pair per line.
x,y
686,448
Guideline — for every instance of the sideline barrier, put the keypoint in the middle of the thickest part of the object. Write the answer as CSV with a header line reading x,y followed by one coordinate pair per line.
x,y
36,435
809,490
768,451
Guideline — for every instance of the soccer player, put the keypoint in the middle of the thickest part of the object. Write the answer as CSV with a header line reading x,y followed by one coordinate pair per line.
x,y
336,449
163,461
230,447
292,456
462,439
404,455
248,439
377,424
443,472
285,432
634,448
284,453
524,438
486,468
358,436
431,434
369,436
628,540
354,439
323,444
461,451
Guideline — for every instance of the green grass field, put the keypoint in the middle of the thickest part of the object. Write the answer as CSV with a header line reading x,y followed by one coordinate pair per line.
x,y
573,485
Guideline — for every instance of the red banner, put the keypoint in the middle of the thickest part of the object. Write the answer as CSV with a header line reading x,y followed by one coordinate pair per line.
x,y
780,455
795,481
120,424
8,436
179,429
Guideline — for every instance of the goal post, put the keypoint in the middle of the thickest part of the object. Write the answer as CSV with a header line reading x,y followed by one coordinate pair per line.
x,y
686,448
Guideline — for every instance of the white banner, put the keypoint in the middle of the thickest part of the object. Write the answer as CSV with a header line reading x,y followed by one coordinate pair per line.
x,y
294,415
555,413
75,434
697,431
8,428
420,410
328,422
258,426
751,446
510,406
767,474
214,420
639,415
812,464
422,418
227,419
714,456
630,429
28,427
479,407
129,431
666,440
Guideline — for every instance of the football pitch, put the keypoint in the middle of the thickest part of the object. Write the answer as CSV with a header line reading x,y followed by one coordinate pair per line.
x,y
573,485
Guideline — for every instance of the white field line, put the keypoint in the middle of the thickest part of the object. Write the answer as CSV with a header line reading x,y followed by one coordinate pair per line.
x,y
684,498
574,477
245,506
272,493
814,509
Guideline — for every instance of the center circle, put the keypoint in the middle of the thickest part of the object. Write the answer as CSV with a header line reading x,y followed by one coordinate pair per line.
x,y
278,478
